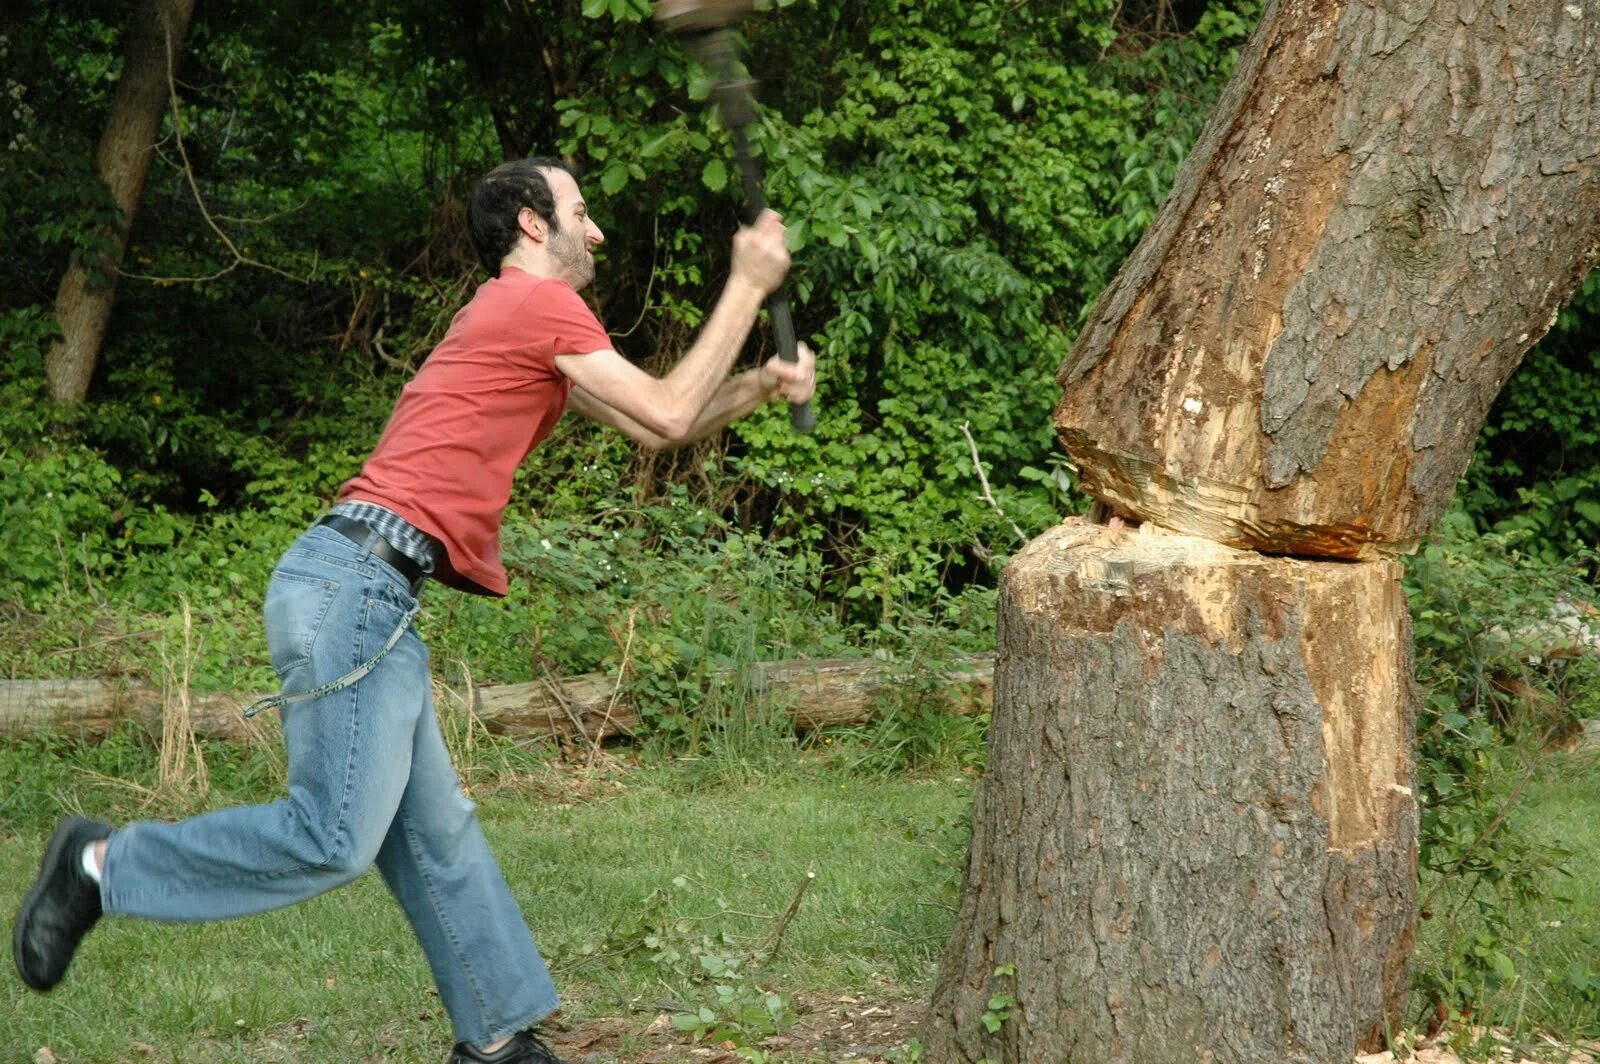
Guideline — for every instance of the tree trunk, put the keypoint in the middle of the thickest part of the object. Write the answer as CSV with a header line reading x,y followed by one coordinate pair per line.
x,y
1383,214
1195,840
485,72
84,299
1196,837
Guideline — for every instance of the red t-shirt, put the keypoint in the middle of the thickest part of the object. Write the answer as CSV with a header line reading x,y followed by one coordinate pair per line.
x,y
483,399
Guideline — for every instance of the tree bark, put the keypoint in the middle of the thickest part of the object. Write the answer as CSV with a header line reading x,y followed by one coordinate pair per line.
x,y
87,291
813,694
1195,840
1383,214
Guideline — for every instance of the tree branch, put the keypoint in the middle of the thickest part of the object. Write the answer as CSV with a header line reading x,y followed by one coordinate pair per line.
x,y
239,257
987,495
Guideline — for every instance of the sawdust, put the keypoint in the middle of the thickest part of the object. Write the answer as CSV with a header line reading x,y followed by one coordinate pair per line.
x,y
1438,1051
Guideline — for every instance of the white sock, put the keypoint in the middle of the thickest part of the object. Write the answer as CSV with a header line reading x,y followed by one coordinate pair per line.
x,y
91,867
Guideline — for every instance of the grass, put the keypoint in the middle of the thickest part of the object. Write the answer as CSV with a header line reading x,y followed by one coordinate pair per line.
x,y
1552,941
640,881
674,856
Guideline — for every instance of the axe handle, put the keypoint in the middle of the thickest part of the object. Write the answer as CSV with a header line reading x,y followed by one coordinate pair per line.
x,y
801,415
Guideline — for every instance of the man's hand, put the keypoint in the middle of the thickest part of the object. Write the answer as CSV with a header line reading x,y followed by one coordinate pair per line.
x,y
794,381
760,257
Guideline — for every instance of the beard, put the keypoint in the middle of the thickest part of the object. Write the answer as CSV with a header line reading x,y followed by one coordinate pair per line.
x,y
572,253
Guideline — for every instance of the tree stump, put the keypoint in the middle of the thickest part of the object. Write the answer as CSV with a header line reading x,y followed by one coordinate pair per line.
x,y
1195,840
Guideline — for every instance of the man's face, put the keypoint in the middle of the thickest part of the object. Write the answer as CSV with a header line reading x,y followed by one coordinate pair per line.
x,y
573,244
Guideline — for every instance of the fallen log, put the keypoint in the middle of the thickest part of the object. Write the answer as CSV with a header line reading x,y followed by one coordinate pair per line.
x,y
814,694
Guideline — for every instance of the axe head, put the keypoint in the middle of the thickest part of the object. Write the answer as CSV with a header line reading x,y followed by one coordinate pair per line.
x,y
700,16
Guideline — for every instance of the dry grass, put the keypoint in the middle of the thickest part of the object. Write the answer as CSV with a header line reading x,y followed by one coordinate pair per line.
x,y
181,770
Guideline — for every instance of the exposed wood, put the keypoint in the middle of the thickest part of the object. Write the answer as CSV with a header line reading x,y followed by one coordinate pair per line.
x,y
814,693
1195,840
88,289
1383,214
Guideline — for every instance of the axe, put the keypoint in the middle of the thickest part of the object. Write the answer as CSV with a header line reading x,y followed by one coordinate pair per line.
x,y
706,29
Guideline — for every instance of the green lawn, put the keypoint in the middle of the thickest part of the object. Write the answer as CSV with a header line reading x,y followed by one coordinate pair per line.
x,y
640,882
679,856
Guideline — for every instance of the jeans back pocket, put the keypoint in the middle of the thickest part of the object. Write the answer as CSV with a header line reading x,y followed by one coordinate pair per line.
x,y
295,609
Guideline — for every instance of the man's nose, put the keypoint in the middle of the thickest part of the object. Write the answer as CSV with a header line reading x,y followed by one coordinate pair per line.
x,y
595,235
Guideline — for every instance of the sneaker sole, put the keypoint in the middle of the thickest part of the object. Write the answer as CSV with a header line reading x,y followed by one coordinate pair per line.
x,y
52,853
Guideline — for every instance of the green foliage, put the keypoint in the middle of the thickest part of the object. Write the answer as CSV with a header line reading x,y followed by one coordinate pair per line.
x,y
686,953
955,209
998,1009
1494,630
58,498
1181,77
1538,464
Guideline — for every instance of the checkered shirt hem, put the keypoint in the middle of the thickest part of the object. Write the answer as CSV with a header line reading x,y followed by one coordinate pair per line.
x,y
402,535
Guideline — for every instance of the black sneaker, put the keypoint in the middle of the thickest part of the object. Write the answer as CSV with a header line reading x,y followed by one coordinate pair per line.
x,y
61,908
525,1047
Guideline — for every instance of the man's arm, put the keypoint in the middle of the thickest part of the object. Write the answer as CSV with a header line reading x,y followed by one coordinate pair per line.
x,y
733,399
670,407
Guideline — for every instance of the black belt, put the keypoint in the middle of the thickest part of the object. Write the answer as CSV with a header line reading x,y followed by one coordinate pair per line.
x,y
364,535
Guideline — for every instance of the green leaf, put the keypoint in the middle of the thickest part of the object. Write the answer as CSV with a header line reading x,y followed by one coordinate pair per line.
x,y
615,177
715,175
659,144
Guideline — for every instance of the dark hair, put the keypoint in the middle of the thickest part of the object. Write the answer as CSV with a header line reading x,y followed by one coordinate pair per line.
x,y
500,197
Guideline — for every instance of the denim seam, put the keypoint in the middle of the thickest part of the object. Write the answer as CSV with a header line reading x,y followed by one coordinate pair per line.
x,y
342,822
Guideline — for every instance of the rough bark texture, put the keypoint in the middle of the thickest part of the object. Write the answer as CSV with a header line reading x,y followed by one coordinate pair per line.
x,y
1383,214
87,291
814,693
1195,839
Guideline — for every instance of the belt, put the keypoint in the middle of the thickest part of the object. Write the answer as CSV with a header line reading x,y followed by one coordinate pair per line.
x,y
364,535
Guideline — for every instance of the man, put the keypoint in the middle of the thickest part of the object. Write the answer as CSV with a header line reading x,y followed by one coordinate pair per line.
x,y
369,777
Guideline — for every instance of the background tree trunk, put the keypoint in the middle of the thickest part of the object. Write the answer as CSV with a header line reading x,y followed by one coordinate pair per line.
x,y
485,70
84,299
1196,837
1383,214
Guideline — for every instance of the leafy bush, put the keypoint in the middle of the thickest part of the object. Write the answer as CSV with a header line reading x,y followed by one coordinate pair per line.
x,y
1538,464
1496,633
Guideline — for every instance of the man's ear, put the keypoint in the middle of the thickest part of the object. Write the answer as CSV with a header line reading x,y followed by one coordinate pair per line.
x,y
533,227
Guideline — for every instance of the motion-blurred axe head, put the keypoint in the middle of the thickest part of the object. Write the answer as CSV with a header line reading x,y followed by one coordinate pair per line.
x,y
700,16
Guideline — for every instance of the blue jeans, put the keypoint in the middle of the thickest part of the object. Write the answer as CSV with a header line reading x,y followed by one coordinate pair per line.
x,y
370,781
